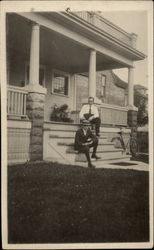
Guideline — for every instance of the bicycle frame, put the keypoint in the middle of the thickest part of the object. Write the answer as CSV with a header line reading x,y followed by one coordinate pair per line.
x,y
131,147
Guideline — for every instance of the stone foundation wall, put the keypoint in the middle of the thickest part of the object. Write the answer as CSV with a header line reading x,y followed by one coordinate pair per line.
x,y
35,112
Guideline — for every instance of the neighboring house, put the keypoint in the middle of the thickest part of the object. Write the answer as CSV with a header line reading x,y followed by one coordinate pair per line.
x,y
140,96
62,58
110,89
141,102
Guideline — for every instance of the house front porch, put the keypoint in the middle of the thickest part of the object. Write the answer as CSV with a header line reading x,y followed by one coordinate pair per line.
x,y
58,137
58,144
43,58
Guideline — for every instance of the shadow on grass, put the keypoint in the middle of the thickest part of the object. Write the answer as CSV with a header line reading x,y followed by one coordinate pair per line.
x,y
53,203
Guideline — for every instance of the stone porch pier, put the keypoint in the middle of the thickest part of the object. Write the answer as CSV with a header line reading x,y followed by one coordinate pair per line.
x,y
35,98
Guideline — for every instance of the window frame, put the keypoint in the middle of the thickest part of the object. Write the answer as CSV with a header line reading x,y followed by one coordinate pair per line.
x,y
62,73
103,86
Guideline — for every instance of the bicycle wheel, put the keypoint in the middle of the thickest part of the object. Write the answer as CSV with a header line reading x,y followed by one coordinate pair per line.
x,y
133,146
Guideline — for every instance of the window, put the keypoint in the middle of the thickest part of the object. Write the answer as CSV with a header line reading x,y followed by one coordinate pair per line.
x,y
103,85
60,83
41,75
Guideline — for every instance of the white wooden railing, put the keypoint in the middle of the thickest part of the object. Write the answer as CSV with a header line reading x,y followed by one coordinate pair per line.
x,y
113,115
109,114
106,26
75,117
16,101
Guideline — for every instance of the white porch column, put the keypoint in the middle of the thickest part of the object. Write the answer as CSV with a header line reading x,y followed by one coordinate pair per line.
x,y
35,98
92,73
34,55
130,87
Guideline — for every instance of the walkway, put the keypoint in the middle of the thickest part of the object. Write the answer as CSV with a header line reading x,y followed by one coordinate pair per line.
x,y
135,165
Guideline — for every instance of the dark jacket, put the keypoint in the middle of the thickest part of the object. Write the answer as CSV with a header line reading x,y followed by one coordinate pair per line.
x,y
80,138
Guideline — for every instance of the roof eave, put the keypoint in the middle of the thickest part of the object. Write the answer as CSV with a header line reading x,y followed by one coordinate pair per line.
x,y
134,53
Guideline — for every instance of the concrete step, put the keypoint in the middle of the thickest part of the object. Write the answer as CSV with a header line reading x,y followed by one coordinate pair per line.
x,y
104,145
112,158
70,157
66,150
59,146
104,156
69,135
69,141
97,163
70,150
72,144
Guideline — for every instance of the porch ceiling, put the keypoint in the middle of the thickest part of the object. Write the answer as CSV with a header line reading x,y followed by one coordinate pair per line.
x,y
56,50
63,53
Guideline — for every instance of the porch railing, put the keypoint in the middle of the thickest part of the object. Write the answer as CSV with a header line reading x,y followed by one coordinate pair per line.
x,y
106,26
113,115
75,116
109,114
16,101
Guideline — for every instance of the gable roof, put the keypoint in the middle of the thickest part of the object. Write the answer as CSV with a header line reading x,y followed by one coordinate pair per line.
x,y
118,82
138,86
122,84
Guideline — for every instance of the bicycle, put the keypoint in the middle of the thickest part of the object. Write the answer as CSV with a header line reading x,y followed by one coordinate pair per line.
x,y
131,147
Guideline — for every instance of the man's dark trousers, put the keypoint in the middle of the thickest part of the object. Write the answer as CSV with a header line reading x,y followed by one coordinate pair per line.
x,y
85,149
97,122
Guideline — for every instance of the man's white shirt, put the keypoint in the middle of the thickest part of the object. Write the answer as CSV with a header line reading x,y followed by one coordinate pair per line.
x,y
85,110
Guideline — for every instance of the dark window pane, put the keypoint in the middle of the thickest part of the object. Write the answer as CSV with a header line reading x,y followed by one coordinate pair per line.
x,y
60,84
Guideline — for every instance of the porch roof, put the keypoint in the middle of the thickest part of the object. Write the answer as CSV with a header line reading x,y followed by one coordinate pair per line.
x,y
74,37
74,22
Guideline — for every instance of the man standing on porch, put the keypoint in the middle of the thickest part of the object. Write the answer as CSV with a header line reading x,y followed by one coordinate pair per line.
x,y
90,112
84,140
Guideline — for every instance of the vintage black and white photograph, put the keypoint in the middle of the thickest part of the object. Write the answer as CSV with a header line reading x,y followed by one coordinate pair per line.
x,y
77,154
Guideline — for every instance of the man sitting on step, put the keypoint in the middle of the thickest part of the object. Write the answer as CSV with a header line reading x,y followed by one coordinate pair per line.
x,y
84,140
90,112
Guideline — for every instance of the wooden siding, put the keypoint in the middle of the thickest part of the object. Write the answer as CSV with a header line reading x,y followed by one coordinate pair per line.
x,y
18,134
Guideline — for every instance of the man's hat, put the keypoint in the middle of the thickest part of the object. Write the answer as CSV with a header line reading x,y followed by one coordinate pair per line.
x,y
85,122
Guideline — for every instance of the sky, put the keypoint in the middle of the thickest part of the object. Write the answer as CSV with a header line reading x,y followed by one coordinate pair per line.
x,y
133,22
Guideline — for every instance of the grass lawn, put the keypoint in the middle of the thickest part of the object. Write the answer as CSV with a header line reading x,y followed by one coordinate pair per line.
x,y
53,203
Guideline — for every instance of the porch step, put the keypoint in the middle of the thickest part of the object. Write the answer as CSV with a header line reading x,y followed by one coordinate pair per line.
x,y
72,144
104,145
108,156
113,159
71,136
66,150
97,163
72,151
59,146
